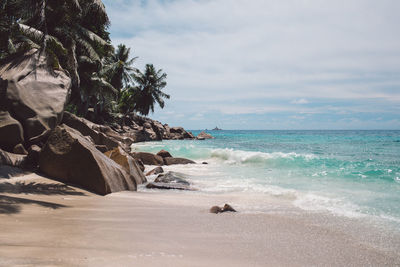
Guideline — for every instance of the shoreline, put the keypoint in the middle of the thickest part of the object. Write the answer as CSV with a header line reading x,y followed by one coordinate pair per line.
x,y
63,226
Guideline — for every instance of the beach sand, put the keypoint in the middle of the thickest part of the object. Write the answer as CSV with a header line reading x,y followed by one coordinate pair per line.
x,y
45,223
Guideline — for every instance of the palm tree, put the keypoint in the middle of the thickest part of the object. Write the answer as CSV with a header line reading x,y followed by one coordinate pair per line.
x,y
148,89
118,68
64,30
23,27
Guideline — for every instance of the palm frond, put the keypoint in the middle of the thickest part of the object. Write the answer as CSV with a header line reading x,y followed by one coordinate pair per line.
x,y
93,37
75,3
91,52
104,85
32,33
98,8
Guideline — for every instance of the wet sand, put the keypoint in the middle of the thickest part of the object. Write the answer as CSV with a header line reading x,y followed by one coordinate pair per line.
x,y
46,223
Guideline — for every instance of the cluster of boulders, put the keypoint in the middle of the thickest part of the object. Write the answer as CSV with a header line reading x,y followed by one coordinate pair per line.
x,y
169,180
140,129
37,133
161,158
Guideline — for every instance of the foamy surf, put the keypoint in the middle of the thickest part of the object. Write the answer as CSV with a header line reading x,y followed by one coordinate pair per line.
x,y
232,156
324,172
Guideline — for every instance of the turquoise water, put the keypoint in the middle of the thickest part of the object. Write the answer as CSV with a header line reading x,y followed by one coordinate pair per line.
x,y
349,173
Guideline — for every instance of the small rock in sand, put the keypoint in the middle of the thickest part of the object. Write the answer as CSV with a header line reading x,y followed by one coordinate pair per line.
x,y
228,207
216,209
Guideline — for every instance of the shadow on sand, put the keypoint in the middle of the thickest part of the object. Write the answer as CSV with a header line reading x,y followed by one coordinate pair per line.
x,y
7,172
12,205
38,189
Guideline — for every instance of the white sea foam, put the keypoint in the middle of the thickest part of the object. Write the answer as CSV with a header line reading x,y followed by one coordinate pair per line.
x,y
232,156
297,179
215,178
315,202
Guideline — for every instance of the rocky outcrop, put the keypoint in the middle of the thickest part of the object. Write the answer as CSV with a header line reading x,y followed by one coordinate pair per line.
x,y
148,158
88,128
128,163
156,170
164,154
135,129
203,135
34,95
178,133
69,157
173,161
141,129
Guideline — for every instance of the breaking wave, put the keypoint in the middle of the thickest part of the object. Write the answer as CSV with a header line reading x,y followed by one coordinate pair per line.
x,y
233,156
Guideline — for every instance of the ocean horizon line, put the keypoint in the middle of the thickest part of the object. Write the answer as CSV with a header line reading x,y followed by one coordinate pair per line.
x,y
294,130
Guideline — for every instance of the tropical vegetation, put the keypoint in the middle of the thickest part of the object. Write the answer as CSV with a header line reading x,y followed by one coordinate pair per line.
x,y
73,35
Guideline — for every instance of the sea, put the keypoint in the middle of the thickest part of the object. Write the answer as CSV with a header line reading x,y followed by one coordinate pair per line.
x,y
353,174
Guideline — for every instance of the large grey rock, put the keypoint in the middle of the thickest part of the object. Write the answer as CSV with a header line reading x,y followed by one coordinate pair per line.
x,y
123,140
173,161
11,132
69,157
128,163
148,158
170,180
88,128
35,95
172,177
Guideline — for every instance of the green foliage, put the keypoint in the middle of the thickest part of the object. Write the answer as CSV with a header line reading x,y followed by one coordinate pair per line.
x,y
72,109
73,35
146,92
118,68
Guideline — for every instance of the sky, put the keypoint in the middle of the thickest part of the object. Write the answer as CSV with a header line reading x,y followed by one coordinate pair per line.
x,y
263,64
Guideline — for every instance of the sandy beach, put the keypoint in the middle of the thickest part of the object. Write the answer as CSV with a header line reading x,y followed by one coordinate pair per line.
x,y
47,223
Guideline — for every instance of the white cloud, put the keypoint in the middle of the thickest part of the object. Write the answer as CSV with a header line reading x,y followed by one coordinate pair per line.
x,y
300,101
224,51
